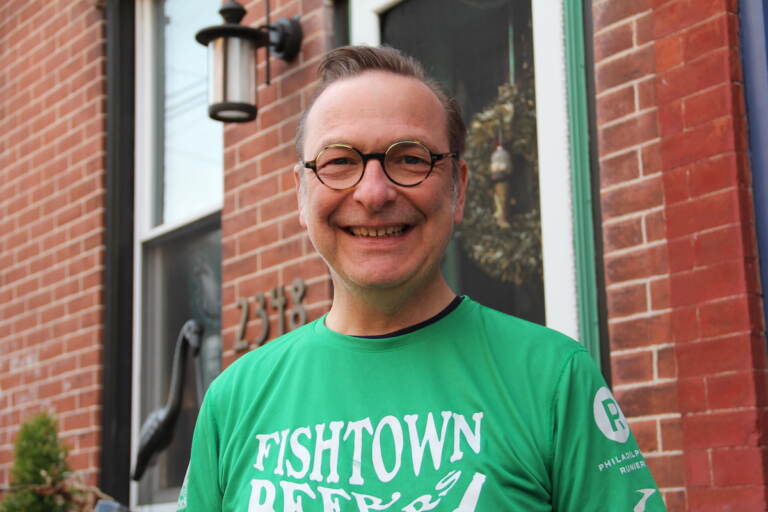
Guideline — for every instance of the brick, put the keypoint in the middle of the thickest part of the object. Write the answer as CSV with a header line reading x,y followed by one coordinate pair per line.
x,y
675,501
306,269
708,212
678,15
616,104
717,499
686,325
637,264
632,368
725,316
608,12
260,237
620,168
671,118
642,332
668,471
260,144
613,40
625,68
637,197
621,235
671,434
738,466
715,174
721,429
278,206
646,400
681,254
704,141
707,71
719,245
281,253
625,134
666,363
645,433
655,226
712,357
698,468
708,105
706,37
646,94
283,158
650,158
708,283
256,192
732,390
627,300
669,53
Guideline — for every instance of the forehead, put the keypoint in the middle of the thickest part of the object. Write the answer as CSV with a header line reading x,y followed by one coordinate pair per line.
x,y
374,109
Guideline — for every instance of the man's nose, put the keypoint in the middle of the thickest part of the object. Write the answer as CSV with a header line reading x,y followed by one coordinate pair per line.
x,y
375,189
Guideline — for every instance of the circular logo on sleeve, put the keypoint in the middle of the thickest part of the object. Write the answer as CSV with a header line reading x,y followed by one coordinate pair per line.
x,y
608,416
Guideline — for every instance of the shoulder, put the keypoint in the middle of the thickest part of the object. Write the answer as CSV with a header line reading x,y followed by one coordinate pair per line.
x,y
250,367
512,333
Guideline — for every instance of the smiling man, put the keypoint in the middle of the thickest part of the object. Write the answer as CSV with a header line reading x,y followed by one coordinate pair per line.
x,y
404,396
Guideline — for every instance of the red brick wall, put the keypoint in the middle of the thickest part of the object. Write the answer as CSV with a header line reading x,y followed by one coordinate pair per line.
x,y
51,221
263,244
688,355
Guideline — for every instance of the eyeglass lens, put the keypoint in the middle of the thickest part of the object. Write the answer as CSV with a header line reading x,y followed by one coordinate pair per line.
x,y
406,163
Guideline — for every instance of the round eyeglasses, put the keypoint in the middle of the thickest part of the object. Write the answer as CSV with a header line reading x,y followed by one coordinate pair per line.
x,y
406,163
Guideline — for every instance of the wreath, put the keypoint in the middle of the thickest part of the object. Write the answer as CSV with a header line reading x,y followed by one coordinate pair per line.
x,y
508,249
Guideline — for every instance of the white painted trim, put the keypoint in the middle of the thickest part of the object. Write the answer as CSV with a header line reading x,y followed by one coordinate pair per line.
x,y
168,227
364,27
164,507
559,263
144,149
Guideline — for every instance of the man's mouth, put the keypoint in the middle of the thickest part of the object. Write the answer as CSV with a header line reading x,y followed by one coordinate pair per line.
x,y
378,232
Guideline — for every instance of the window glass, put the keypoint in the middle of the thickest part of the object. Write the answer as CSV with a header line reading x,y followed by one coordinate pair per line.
x,y
182,281
482,51
190,180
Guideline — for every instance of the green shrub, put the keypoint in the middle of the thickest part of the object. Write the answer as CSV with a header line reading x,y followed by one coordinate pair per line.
x,y
40,470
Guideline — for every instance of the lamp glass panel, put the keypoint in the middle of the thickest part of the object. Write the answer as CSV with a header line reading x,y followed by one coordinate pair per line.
x,y
190,170
240,71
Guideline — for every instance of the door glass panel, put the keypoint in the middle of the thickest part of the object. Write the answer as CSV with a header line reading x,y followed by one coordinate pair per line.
x,y
482,51
191,178
182,281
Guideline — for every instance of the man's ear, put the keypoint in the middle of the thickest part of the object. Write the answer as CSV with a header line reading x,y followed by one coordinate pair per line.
x,y
301,193
461,192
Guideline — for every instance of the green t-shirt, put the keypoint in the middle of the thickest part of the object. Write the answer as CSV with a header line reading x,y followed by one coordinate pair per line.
x,y
477,411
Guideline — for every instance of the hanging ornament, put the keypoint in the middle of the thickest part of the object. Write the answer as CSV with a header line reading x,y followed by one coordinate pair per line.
x,y
499,233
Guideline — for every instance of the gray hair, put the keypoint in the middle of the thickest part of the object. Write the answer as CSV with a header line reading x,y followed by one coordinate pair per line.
x,y
351,61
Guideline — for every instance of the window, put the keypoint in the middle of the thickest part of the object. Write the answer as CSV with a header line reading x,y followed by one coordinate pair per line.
x,y
177,253
505,62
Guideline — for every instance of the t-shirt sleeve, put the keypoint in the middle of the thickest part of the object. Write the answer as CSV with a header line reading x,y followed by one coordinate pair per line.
x,y
201,491
597,464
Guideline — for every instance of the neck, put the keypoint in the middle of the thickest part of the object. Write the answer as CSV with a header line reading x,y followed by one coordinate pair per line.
x,y
380,311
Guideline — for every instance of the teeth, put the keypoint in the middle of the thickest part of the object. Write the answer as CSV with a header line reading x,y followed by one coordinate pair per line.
x,y
377,232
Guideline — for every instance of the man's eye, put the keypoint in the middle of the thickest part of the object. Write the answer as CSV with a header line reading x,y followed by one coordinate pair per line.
x,y
411,161
341,161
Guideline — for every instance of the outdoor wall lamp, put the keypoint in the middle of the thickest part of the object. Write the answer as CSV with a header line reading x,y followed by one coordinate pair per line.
x,y
232,49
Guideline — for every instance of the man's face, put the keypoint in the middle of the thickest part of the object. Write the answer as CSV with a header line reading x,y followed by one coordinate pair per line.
x,y
378,234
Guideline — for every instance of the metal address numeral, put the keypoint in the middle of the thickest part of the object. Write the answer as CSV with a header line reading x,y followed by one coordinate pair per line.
x,y
297,315
278,302
261,312
240,343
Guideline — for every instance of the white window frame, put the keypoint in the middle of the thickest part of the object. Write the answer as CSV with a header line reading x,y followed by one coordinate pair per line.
x,y
558,258
146,149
